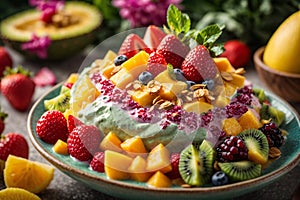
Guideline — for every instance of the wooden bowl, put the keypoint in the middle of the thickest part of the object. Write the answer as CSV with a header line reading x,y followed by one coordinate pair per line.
x,y
285,85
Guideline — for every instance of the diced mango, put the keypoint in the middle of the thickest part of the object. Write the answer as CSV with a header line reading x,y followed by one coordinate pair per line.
x,y
72,78
111,142
249,120
159,159
166,93
60,147
159,180
197,107
134,145
107,71
143,97
223,64
231,126
138,170
122,78
230,89
116,165
136,64
238,80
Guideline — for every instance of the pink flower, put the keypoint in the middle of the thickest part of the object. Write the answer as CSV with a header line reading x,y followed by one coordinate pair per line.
x,y
37,45
144,12
48,8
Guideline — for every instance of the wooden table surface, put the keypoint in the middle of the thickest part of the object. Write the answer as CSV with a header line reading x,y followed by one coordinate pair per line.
x,y
63,187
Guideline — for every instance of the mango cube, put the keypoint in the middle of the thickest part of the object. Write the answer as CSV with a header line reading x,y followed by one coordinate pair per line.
x,y
197,107
138,170
249,120
116,165
107,71
111,142
122,78
60,147
159,180
238,80
143,97
159,159
231,126
223,64
134,145
136,64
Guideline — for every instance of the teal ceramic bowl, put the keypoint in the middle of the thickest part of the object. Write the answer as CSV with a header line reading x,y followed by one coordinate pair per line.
x,y
134,190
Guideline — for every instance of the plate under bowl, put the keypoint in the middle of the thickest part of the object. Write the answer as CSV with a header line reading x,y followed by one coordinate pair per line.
x,y
135,190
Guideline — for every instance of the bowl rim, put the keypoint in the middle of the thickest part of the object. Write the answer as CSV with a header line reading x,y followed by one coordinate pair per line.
x,y
260,64
243,185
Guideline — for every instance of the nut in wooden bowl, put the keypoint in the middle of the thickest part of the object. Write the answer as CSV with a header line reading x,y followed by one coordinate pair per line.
x,y
285,85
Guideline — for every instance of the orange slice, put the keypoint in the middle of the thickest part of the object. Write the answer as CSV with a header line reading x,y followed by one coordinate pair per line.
x,y
17,194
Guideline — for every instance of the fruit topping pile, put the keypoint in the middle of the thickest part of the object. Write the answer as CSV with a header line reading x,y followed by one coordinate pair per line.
x,y
166,111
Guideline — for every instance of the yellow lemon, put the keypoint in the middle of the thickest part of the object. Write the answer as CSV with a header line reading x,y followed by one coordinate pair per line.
x,y
26,174
283,49
17,194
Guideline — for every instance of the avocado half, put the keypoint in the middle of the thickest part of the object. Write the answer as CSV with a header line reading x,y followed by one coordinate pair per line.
x,y
66,41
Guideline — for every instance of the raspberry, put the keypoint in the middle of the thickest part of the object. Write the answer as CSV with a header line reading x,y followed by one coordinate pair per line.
x,y
174,159
232,149
174,114
97,163
273,134
141,114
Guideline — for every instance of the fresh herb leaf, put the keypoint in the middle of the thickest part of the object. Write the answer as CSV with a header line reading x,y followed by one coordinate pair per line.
x,y
178,22
171,71
216,50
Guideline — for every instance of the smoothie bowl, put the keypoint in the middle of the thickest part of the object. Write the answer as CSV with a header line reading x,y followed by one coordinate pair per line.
x,y
161,117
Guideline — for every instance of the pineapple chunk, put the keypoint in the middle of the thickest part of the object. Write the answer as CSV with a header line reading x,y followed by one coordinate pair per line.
x,y
107,60
60,147
111,142
116,165
107,71
136,64
197,107
230,89
159,180
158,159
143,97
138,171
223,64
231,126
72,78
134,145
221,101
122,78
249,120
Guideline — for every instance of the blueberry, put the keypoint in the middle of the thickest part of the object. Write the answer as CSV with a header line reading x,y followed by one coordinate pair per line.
x,y
120,59
179,75
209,84
219,178
145,77
190,83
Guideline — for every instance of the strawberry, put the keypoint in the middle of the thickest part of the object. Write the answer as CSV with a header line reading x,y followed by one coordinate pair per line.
x,y
51,126
156,63
132,45
18,87
173,50
237,52
174,159
14,144
3,116
198,65
73,122
5,60
97,163
83,142
44,77
153,36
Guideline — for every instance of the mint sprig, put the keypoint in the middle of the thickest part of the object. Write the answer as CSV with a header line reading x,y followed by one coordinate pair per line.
x,y
179,24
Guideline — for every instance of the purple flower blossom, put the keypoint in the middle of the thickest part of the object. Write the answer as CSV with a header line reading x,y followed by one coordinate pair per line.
x,y
144,12
37,45
47,4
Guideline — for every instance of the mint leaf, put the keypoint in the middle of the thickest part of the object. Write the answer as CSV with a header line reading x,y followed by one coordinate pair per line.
x,y
178,22
216,50
171,71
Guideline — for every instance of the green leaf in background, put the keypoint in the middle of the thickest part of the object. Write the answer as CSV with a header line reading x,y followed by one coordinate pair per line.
x,y
171,71
178,22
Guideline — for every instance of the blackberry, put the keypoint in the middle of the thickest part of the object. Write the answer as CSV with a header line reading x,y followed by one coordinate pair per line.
x,y
273,134
232,149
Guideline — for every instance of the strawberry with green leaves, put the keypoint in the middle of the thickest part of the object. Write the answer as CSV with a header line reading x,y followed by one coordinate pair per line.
x,y
156,63
5,60
18,87
3,116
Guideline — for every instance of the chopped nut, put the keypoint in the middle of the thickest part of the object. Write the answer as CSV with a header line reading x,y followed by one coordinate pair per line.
x,y
240,71
216,166
156,99
274,152
166,105
153,86
197,86
116,69
226,76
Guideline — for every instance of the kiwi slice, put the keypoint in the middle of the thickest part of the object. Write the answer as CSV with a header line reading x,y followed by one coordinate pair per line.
x,y
64,89
240,170
269,112
257,144
60,102
196,164
260,94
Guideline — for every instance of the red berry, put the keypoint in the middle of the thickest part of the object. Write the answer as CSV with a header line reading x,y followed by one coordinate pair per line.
x,y
97,163
44,77
83,142
14,144
173,50
156,63
52,126
174,162
237,52
198,65
3,116
132,45
47,15
5,60
153,36
73,122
